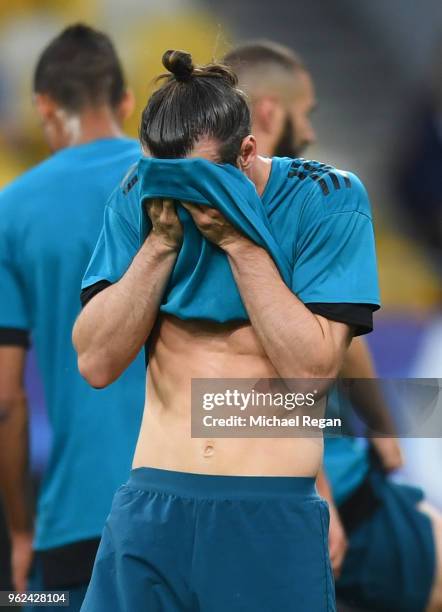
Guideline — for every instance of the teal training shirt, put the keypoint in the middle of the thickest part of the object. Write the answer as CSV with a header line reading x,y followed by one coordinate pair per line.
x,y
322,220
50,219
319,217
202,285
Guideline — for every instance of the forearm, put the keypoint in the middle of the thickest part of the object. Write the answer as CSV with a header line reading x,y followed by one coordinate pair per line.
x,y
298,343
115,324
14,463
364,390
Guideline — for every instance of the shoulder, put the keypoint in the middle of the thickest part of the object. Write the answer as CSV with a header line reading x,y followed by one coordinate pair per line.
x,y
128,188
20,195
327,190
130,180
25,183
125,198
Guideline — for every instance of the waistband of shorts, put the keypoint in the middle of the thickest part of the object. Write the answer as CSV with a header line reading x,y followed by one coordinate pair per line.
x,y
186,484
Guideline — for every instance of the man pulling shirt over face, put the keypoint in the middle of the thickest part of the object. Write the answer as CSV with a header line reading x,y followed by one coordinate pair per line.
x,y
330,239
192,498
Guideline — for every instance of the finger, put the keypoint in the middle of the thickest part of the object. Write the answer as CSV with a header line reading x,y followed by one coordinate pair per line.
x,y
153,208
204,210
198,214
336,557
213,212
169,205
168,212
194,209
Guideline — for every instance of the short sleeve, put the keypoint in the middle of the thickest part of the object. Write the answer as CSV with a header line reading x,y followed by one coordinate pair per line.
x,y
14,316
118,242
335,257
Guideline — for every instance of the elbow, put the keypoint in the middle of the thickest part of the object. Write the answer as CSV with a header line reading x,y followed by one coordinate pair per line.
x,y
92,364
316,377
95,371
321,369
315,369
326,368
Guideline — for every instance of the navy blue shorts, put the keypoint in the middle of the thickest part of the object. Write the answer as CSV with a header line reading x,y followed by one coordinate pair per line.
x,y
177,542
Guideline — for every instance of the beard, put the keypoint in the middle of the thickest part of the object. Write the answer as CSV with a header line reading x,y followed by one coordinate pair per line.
x,y
287,145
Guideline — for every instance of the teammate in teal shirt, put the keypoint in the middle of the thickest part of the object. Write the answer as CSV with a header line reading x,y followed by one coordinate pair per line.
x,y
390,560
50,219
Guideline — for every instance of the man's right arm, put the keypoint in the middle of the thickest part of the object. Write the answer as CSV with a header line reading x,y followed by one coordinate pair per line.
x,y
116,323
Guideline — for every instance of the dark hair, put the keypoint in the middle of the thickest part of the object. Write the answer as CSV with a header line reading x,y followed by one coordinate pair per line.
x,y
80,68
194,102
255,54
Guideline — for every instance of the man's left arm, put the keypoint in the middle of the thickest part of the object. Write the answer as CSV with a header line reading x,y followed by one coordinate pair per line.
x,y
14,445
14,461
306,328
299,343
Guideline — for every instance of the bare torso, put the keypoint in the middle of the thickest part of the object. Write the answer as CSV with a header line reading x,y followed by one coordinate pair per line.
x,y
182,350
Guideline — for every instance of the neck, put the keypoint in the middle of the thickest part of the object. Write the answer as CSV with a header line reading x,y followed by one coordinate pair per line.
x,y
259,173
91,124
265,143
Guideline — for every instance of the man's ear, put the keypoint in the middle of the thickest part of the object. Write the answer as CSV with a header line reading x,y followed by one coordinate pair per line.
x,y
46,107
126,106
247,153
267,114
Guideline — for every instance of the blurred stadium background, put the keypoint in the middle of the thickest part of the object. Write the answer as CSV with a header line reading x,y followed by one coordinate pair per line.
x,y
378,71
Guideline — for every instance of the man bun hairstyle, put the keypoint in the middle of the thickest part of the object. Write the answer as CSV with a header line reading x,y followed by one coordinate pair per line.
x,y
179,63
194,102
80,68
